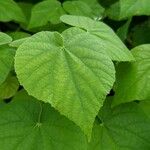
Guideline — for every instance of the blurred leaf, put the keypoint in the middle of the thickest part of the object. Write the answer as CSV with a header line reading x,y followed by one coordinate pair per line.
x,y
133,79
122,32
4,38
6,61
44,12
140,34
9,87
126,127
127,8
10,11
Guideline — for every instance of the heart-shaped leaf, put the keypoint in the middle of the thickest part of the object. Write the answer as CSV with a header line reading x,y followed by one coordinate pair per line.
x,y
72,74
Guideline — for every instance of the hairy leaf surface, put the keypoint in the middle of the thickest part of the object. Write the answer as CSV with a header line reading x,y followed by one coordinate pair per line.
x,y
108,40
73,74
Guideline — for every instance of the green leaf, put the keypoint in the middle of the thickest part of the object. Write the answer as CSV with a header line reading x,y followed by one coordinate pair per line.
x,y
29,124
4,38
133,78
77,8
97,9
10,11
122,32
9,87
18,38
145,105
140,34
125,127
44,12
123,9
26,8
18,35
6,61
18,42
108,40
71,73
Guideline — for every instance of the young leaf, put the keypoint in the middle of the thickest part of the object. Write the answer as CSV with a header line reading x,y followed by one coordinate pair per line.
x,y
9,10
73,74
9,87
125,127
133,78
4,38
6,61
107,38
44,12
123,9
29,124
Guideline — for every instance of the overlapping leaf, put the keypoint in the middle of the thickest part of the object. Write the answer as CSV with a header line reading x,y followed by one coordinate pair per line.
x,y
133,78
123,9
107,38
9,87
97,9
77,8
44,12
9,10
4,38
6,61
71,73
29,124
125,127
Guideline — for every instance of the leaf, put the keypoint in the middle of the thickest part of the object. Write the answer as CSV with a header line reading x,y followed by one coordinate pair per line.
x,y
97,9
126,127
17,43
9,87
145,106
10,11
18,38
77,8
133,78
122,32
6,61
123,9
107,3
136,32
107,38
26,8
4,38
29,124
18,35
44,12
70,73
